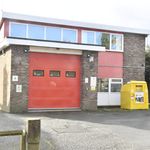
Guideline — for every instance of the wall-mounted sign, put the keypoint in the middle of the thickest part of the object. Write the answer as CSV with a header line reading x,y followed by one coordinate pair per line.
x,y
139,97
18,88
93,82
14,78
91,59
93,88
86,80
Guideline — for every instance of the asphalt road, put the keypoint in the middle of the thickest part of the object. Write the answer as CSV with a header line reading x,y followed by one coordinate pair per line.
x,y
101,130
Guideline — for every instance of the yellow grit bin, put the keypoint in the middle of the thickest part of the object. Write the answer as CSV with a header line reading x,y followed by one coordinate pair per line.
x,y
134,95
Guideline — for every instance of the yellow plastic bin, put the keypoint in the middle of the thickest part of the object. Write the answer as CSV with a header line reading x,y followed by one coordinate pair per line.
x,y
134,95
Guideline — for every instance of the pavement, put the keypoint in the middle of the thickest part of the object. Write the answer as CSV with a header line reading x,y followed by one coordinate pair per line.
x,y
101,130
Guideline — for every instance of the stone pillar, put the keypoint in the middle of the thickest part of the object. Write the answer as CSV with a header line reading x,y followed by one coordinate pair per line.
x,y
134,57
19,79
89,69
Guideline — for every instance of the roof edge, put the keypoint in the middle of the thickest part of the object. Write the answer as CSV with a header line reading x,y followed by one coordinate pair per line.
x,y
23,17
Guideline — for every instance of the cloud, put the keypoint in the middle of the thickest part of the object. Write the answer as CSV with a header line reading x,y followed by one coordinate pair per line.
x,y
131,13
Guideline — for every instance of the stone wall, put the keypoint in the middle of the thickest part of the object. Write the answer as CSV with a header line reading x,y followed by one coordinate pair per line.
x,y
89,69
134,57
19,67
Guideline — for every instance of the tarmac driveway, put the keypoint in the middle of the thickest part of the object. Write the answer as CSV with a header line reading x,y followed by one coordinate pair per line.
x,y
101,130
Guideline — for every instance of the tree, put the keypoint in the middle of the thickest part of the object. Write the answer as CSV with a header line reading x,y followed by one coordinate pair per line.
x,y
147,67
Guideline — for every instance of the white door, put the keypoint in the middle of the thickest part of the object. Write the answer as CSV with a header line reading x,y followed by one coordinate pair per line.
x,y
109,92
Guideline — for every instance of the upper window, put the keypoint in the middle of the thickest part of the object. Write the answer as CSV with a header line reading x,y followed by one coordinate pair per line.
x,y
88,37
69,35
18,30
53,34
116,42
103,39
40,32
35,32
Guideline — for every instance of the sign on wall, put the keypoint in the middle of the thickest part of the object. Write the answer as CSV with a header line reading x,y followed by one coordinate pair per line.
x,y
93,83
18,88
14,78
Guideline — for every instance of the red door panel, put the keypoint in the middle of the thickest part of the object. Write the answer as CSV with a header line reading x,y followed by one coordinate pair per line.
x,y
54,92
110,65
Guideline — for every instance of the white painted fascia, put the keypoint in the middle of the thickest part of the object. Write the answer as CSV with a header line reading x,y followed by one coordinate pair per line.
x,y
11,41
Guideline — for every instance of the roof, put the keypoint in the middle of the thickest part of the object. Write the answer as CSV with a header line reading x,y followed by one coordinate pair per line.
x,y
9,15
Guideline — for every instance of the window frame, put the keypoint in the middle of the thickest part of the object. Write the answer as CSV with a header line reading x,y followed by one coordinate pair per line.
x,y
10,28
37,26
37,70
55,71
110,37
122,47
70,76
44,32
88,31
56,28
112,82
76,31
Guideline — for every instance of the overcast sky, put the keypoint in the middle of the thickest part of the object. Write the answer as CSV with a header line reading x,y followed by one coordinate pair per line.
x,y
130,13
133,13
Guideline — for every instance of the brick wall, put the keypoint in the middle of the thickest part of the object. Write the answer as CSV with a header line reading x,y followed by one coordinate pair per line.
x,y
134,57
89,69
19,67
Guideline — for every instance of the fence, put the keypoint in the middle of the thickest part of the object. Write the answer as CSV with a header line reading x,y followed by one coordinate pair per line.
x,y
30,137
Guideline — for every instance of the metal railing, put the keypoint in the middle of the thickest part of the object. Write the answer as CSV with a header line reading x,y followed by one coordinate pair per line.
x,y
30,137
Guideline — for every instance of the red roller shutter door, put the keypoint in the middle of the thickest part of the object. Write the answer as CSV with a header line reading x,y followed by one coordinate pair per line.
x,y
54,81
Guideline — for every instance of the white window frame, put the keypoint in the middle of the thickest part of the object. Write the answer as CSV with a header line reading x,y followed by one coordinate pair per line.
x,y
45,29
35,25
61,32
110,36
110,81
87,31
71,30
122,48
17,23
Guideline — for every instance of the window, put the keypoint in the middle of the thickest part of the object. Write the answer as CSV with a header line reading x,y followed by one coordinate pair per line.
x,y
18,30
38,72
103,85
69,35
53,34
109,85
115,85
40,32
71,74
35,32
88,37
103,39
116,42
54,73
98,38
106,40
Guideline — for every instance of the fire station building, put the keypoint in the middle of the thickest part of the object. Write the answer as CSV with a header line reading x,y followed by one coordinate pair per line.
x,y
52,64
